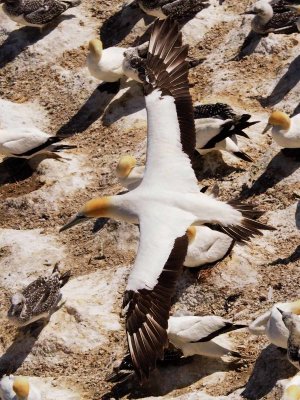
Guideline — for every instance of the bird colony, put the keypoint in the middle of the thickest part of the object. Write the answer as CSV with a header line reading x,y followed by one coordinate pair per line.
x,y
150,199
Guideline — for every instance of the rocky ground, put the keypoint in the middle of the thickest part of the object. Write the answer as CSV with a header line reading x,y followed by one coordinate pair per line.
x,y
44,82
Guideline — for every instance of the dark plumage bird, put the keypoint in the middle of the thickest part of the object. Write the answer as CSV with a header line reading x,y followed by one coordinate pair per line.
x,y
280,6
172,8
292,323
38,300
217,126
36,13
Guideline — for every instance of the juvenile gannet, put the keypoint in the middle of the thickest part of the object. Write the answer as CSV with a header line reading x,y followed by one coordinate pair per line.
x,y
18,388
266,20
271,324
217,134
292,323
26,142
167,201
283,5
38,300
206,246
285,129
36,12
172,8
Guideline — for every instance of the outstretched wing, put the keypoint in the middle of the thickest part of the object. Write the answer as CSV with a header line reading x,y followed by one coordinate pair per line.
x,y
171,129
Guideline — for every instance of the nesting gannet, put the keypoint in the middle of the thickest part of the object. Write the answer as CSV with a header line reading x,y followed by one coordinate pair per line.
x,y
266,20
292,323
285,129
38,300
36,12
26,142
282,5
166,202
206,246
129,175
18,388
271,324
292,388
172,8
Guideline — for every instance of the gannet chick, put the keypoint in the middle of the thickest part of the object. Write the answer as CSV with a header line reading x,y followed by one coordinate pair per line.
x,y
38,300
285,130
25,142
167,201
36,13
271,324
129,175
172,8
292,323
18,388
217,134
292,388
206,246
266,20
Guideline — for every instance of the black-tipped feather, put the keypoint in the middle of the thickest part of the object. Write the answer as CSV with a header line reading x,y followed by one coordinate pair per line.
x,y
243,156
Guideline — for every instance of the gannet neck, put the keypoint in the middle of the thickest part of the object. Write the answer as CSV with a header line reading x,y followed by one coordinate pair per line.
x,y
96,49
191,233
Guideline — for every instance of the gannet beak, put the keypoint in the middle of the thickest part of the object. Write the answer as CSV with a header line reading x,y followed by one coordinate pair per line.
x,y
269,126
281,312
78,219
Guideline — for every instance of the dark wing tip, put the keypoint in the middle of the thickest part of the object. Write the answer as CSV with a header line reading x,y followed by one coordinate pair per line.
x,y
243,156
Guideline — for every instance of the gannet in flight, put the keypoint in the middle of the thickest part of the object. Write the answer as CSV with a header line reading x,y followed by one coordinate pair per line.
x,y
167,201
38,300
36,12
271,324
18,388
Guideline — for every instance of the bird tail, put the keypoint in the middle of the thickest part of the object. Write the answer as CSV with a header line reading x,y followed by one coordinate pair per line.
x,y
243,156
248,227
63,278
60,147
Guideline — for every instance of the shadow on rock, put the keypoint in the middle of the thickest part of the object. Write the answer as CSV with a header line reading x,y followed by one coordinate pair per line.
x,y
294,257
19,39
279,168
92,109
284,85
22,346
270,367
297,216
249,46
119,25
14,170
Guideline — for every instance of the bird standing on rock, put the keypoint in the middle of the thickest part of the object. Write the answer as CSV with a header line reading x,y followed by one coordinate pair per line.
x,y
292,323
175,9
167,202
36,13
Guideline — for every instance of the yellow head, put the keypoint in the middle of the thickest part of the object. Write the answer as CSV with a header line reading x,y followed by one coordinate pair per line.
x,y
191,233
21,387
293,392
295,307
279,118
96,48
95,208
125,166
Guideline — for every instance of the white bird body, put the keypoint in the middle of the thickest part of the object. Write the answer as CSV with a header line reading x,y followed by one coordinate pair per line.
x,y
288,138
271,324
204,336
7,390
208,246
108,67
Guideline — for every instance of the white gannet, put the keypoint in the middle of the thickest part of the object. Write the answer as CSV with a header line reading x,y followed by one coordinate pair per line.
x,y
38,300
271,324
217,134
26,142
285,129
172,8
266,20
167,201
36,12
129,175
292,323
206,246
18,388
292,388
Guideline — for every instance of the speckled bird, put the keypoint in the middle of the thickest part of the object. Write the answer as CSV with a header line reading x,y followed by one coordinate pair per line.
x,y
37,13
172,8
38,300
